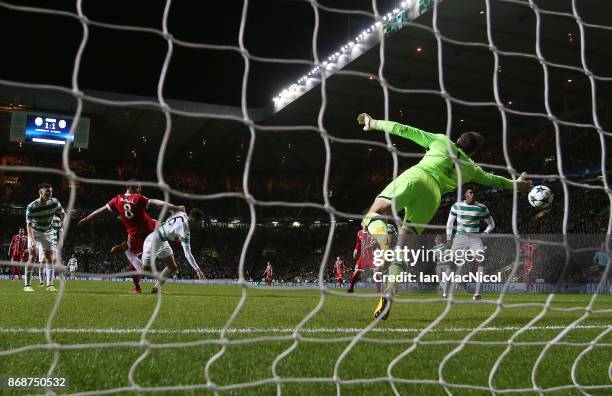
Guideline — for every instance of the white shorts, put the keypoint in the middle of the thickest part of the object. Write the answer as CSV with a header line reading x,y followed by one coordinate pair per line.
x,y
45,239
153,248
466,243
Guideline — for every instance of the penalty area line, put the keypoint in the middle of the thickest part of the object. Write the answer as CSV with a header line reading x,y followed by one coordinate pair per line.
x,y
279,330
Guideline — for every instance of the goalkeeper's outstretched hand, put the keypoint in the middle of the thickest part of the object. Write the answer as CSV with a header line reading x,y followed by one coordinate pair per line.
x,y
368,122
524,185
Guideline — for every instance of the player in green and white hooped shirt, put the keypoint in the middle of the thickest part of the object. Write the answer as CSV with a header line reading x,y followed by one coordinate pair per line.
x,y
156,244
73,265
418,190
39,221
468,214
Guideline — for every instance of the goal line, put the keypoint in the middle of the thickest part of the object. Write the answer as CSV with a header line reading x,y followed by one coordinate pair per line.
x,y
281,330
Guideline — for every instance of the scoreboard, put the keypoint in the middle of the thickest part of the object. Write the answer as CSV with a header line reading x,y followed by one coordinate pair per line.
x,y
49,129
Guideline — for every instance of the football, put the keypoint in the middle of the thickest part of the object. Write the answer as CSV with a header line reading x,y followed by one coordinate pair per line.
x,y
540,197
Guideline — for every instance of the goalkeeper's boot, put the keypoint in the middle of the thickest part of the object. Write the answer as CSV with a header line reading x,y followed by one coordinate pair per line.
x,y
476,297
119,248
380,308
350,290
28,289
155,290
50,288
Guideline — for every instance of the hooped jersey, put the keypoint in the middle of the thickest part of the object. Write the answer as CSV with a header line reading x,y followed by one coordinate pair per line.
x,y
72,264
176,226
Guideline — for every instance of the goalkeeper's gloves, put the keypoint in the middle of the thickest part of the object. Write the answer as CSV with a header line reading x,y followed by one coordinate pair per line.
x,y
368,122
524,185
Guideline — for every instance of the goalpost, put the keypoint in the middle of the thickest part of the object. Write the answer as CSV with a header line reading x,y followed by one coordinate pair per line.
x,y
384,24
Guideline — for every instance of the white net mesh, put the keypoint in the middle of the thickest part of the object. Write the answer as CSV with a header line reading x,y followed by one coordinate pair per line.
x,y
409,342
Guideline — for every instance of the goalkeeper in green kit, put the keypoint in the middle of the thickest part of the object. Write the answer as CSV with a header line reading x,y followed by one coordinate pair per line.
x,y
418,189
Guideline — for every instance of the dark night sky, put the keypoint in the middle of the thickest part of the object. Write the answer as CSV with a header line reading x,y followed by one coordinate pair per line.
x,y
43,47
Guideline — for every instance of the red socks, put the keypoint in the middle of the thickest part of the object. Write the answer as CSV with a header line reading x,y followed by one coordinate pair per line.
x,y
354,279
136,278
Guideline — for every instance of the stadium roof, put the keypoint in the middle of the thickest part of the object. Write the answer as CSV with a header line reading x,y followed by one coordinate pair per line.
x,y
410,66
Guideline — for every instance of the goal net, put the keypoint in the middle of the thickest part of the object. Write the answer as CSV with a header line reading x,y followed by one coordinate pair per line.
x,y
532,76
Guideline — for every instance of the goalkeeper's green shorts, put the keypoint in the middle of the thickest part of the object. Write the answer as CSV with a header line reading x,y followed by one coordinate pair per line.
x,y
418,194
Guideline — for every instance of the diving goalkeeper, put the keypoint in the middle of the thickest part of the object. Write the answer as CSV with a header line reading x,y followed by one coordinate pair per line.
x,y
418,190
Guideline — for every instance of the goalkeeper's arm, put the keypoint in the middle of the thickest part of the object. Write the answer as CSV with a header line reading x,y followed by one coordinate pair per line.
x,y
489,179
418,136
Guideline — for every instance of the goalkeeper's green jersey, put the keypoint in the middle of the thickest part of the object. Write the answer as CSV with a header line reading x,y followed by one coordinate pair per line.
x,y
438,163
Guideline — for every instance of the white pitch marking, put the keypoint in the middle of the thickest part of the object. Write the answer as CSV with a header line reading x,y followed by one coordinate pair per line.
x,y
251,330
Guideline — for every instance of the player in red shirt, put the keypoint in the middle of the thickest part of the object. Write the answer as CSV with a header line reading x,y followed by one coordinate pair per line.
x,y
528,252
18,251
268,273
132,209
339,271
364,253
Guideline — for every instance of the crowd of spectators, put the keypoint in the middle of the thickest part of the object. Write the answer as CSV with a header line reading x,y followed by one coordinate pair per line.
x,y
297,251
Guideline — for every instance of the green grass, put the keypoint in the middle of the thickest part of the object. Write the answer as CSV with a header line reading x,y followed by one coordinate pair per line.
x,y
107,305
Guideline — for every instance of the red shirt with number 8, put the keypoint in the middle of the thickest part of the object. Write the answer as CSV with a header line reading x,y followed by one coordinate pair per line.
x,y
132,209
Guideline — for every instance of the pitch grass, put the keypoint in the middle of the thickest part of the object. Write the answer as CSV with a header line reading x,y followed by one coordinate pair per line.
x,y
107,305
